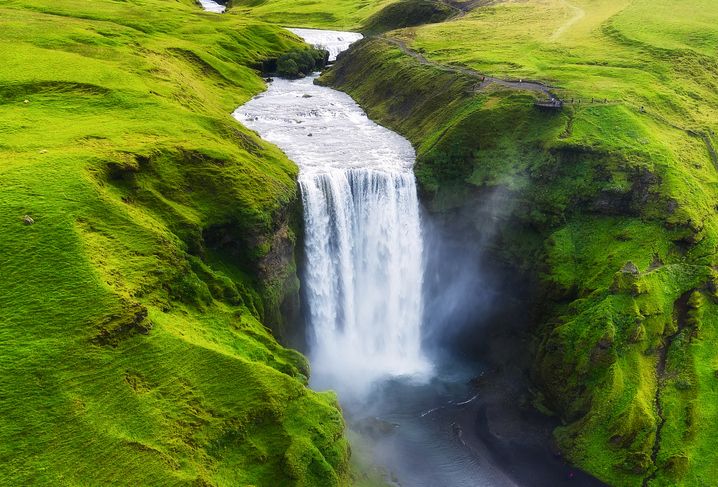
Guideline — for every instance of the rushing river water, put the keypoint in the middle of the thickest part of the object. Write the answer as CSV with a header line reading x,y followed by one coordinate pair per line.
x,y
211,6
363,243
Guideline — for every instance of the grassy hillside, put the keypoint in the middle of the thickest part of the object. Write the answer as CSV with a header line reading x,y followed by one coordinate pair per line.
x,y
146,238
326,14
611,202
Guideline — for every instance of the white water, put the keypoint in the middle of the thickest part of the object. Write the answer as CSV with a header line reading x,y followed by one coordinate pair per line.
x,y
363,242
211,6
331,40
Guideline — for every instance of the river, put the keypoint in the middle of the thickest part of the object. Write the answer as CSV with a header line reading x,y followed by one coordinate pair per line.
x,y
413,417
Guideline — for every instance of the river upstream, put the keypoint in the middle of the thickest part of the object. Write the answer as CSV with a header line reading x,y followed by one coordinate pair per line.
x,y
419,420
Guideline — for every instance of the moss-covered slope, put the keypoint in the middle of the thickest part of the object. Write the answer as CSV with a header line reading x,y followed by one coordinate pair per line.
x,y
146,238
612,206
324,14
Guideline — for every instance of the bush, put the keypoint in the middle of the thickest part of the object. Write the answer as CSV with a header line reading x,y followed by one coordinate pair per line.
x,y
301,62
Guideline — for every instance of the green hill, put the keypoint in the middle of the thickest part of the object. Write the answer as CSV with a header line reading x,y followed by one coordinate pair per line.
x,y
147,239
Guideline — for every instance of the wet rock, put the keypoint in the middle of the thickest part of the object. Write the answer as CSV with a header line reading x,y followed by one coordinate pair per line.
x,y
612,203
306,95
643,183
28,220
479,381
603,354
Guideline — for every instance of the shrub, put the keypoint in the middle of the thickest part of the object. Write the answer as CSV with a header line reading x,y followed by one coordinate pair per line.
x,y
301,62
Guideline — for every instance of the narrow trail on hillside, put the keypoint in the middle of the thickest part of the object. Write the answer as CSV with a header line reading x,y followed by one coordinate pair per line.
x,y
484,81
579,13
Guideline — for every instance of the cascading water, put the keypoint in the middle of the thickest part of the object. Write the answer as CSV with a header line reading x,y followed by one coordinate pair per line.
x,y
363,241
334,42
364,273
212,6
363,281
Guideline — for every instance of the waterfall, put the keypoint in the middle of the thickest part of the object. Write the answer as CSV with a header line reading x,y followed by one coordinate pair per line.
x,y
363,272
333,41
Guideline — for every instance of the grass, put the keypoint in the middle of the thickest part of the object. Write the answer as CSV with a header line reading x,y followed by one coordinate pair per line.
x,y
586,191
321,14
132,310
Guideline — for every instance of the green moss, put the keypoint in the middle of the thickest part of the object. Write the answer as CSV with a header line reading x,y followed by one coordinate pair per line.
x,y
407,13
301,62
325,14
131,309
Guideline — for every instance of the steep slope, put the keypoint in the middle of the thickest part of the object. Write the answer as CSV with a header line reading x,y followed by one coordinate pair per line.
x,y
327,14
146,239
609,203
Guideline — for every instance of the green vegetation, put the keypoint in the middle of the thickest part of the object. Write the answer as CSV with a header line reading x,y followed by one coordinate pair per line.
x,y
323,14
148,237
612,206
159,237
301,62
407,13
355,15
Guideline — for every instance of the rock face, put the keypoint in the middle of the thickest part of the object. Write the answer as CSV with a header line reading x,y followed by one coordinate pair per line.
x,y
603,240
278,270
273,256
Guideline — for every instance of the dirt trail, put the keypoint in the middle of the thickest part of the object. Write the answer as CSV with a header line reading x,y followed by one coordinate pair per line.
x,y
484,80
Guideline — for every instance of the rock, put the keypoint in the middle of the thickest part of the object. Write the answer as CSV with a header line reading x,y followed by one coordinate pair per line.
x,y
26,101
306,95
627,280
629,268
28,220
43,151
310,135
656,263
